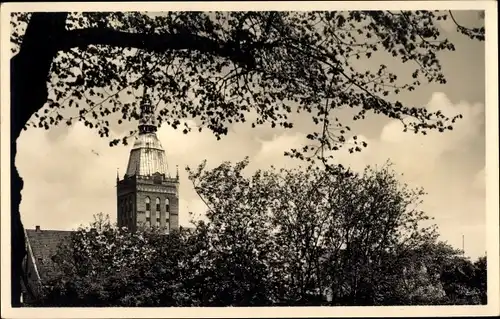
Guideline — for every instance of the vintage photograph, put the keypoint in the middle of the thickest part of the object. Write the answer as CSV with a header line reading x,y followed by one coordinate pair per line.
x,y
237,158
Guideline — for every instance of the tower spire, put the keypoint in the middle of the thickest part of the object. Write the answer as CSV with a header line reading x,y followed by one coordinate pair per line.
x,y
147,163
117,175
147,121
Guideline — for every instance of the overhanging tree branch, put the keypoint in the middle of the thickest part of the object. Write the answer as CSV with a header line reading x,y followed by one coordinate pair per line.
x,y
154,43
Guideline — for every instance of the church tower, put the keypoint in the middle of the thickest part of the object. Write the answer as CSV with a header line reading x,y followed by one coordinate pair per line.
x,y
147,195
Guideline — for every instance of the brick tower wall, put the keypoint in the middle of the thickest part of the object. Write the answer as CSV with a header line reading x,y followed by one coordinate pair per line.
x,y
167,189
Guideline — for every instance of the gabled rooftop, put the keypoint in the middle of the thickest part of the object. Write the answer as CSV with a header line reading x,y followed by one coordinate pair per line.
x,y
43,245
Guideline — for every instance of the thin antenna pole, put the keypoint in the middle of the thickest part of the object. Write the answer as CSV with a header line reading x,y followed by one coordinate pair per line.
x,y
463,244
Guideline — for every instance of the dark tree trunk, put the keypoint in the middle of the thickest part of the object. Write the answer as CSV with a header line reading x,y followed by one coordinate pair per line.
x,y
28,79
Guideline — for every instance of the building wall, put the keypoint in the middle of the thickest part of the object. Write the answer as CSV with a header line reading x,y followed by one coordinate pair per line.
x,y
126,203
135,190
174,215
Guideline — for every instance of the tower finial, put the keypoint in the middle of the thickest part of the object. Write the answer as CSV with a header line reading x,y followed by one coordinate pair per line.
x,y
117,175
147,121
177,172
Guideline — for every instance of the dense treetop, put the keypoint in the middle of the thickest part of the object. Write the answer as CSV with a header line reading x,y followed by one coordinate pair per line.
x,y
279,237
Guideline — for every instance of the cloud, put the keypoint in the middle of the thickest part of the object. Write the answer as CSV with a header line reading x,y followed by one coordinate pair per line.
x,y
272,151
423,156
66,182
449,166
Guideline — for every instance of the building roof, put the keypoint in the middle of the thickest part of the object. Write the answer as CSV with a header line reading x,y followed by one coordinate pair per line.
x,y
44,244
147,157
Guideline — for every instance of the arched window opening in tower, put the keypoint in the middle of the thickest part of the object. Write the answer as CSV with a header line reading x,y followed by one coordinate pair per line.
x,y
158,208
148,211
158,204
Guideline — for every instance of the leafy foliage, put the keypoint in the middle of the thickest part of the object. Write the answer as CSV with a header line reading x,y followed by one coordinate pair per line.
x,y
215,67
465,282
278,237
104,265
328,229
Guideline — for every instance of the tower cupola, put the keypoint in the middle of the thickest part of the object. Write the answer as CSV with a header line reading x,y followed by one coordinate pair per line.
x,y
147,156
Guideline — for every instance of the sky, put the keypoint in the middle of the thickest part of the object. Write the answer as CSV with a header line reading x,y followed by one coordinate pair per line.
x,y
70,173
